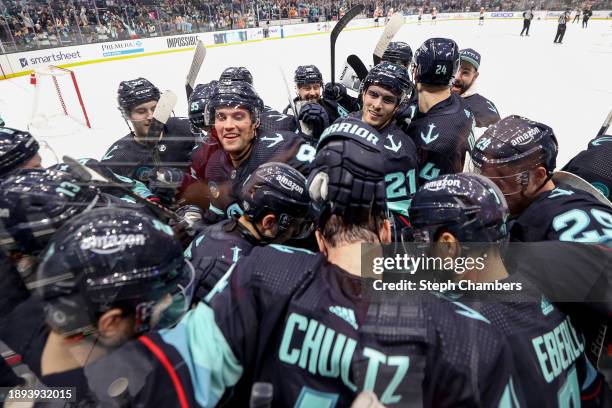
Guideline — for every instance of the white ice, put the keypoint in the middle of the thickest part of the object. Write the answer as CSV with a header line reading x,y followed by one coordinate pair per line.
x,y
566,86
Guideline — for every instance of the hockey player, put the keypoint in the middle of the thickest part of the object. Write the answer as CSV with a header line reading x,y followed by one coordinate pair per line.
x,y
481,16
106,277
520,156
135,156
307,323
593,164
398,52
577,16
312,96
34,203
270,119
235,149
275,204
420,15
442,124
434,15
527,17
485,112
386,87
563,19
464,215
18,149
586,15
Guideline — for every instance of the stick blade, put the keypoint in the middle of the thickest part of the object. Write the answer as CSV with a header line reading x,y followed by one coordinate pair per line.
x,y
165,106
579,183
196,64
358,66
394,24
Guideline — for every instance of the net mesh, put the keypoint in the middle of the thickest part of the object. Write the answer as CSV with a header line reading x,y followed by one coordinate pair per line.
x,y
58,108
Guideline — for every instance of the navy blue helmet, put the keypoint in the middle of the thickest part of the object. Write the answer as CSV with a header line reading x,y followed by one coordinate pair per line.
x,y
307,74
232,74
436,61
515,140
108,258
197,105
279,189
398,52
234,95
135,92
16,148
36,202
469,206
390,76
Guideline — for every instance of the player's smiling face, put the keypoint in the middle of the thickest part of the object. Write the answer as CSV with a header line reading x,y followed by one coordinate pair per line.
x,y
310,92
465,77
378,106
235,129
141,116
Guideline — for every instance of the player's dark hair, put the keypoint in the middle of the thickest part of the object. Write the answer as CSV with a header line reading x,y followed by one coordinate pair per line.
x,y
338,230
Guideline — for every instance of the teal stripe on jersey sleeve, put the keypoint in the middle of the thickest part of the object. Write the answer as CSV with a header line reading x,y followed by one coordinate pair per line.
x,y
212,364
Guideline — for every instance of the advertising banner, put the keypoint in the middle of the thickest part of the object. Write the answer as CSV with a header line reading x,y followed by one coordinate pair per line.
x,y
114,49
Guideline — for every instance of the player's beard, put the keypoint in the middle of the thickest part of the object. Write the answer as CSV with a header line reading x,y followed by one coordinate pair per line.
x,y
460,87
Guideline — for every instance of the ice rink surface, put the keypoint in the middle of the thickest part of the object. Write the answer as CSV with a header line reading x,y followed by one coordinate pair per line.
x,y
566,86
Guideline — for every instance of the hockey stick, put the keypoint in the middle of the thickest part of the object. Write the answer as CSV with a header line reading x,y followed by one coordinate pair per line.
x,y
579,183
288,89
301,125
196,64
605,125
162,113
358,66
87,174
351,14
391,28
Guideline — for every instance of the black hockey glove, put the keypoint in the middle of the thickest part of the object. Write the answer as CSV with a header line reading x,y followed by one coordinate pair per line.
x,y
348,171
334,92
315,117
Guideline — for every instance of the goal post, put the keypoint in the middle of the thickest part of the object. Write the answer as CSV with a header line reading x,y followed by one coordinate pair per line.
x,y
58,108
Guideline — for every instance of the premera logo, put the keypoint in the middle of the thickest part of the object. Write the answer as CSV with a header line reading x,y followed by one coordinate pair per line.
x,y
122,48
184,41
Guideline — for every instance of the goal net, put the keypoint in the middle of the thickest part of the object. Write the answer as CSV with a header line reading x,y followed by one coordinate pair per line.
x,y
58,108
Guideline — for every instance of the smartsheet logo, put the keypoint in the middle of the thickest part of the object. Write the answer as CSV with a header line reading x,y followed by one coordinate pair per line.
x,y
185,41
54,57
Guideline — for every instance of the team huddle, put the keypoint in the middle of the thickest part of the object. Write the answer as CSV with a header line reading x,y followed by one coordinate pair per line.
x,y
196,259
